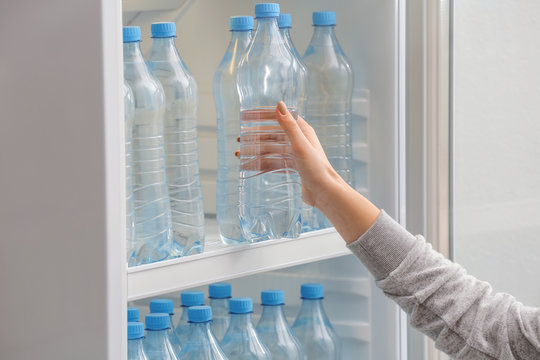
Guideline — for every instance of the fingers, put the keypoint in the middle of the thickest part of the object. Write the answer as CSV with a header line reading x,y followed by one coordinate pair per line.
x,y
290,126
309,132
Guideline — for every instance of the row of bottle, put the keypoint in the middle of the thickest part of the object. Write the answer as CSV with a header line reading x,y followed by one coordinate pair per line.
x,y
225,330
165,214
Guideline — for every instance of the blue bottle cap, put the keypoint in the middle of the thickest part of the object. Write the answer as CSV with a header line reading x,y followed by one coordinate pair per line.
x,y
133,314
324,18
131,34
219,291
284,21
163,29
241,305
241,23
158,321
135,330
267,10
272,297
199,314
312,291
162,306
192,298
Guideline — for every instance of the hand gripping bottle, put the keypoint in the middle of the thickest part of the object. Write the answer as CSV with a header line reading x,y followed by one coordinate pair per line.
x,y
157,344
312,327
153,228
270,191
129,113
132,314
181,328
241,340
135,341
182,101
329,98
274,331
201,343
228,130
219,295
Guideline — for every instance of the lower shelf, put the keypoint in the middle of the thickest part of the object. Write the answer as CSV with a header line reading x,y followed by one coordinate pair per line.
x,y
220,262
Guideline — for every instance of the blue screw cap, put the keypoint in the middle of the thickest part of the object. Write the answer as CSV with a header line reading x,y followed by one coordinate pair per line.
x,y
199,314
133,314
267,10
272,297
219,291
284,21
131,34
135,330
158,321
163,29
241,305
312,291
324,18
241,23
162,306
192,298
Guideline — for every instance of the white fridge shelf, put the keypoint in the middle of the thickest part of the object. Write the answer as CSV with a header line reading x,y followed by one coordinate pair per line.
x,y
220,262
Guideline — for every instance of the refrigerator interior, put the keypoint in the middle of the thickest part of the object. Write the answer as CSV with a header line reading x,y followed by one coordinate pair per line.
x,y
368,31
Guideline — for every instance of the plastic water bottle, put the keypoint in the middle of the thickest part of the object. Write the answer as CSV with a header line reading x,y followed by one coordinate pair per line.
x,y
330,93
153,228
166,306
157,344
135,341
182,101
201,343
132,314
187,299
274,330
241,340
270,196
312,327
228,130
219,295
129,113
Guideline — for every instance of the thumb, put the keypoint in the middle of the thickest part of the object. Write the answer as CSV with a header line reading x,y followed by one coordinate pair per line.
x,y
290,126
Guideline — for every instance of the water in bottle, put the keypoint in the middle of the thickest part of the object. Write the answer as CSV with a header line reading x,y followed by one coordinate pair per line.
x,y
201,343
157,344
219,295
228,130
274,330
241,340
153,228
129,113
329,98
187,299
135,349
181,146
132,314
270,192
312,327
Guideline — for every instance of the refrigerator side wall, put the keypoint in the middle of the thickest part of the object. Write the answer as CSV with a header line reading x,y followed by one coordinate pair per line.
x,y
61,213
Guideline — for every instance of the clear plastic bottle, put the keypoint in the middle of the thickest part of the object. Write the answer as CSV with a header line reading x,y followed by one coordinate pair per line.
x,y
201,343
166,306
274,330
157,344
329,98
241,340
187,299
270,192
312,327
228,130
219,295
135,349
132,314
182,101
153,228
129,113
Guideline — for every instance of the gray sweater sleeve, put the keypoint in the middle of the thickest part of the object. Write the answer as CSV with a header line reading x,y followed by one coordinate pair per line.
x,y
462,314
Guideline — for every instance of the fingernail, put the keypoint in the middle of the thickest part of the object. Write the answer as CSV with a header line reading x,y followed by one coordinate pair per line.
x,y
238,139
282,108
237,153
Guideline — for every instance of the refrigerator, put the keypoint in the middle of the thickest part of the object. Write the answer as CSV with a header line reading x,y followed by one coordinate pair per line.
x,y
64,282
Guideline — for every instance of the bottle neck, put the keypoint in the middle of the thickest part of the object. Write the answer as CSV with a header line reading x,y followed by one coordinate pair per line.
x,y
313,308
267,31
201,332
157,335
239,40
132,52
324,36
241,323
135,350
164,49
273,314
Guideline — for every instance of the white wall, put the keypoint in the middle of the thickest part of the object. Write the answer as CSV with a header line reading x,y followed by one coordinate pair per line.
x,y
496,116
